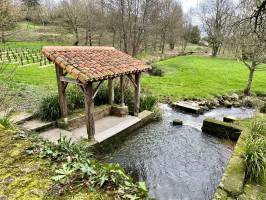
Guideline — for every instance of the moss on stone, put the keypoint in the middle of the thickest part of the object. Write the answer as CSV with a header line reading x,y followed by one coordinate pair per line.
x,y
220,194
221,129
25,177
234,176
235,172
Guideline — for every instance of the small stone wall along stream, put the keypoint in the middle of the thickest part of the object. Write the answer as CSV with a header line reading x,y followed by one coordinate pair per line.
x,y
178,162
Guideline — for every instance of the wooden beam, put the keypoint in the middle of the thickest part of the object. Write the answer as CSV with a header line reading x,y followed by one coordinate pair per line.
x,y
89,109
70,80
137,94
111,93
132,80
97,89
61,92
122,90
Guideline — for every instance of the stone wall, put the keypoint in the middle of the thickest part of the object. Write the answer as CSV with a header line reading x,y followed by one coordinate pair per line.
x,y
221,129
78,118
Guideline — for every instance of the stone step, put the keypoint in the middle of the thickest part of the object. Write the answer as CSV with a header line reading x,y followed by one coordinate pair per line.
x,y
189,107
22,117
37,125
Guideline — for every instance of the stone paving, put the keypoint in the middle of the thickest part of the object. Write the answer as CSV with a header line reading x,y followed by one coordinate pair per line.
x,y
104,128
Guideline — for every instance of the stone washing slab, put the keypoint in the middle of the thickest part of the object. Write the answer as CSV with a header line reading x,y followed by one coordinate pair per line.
x,y
117,128
189,107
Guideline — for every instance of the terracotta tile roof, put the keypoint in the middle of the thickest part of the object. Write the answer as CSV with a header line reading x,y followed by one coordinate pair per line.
x,y
93,63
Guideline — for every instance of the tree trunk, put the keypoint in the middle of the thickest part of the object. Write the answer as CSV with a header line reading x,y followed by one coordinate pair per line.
x,y
3,37
172,45
215,50
114,35
77,36
250,80
87,37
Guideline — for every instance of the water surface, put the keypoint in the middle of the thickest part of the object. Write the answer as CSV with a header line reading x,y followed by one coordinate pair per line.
x,y
178,162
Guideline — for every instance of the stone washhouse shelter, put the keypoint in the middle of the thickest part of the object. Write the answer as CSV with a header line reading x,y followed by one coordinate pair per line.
x,y
89,67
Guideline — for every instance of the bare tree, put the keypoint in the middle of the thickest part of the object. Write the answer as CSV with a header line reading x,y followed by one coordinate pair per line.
x,y
215,16
70,11
175,24
88,19
251,42
8,17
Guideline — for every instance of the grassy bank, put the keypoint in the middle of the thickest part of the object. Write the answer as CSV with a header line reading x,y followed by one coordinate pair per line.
x,y
201,77
184,77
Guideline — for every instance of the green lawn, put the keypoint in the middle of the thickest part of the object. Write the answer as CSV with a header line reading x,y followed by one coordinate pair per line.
x,y
201,77
185,77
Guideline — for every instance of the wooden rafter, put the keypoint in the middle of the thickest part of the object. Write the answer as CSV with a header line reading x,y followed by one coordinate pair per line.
x,y
70,80
132,80
97,89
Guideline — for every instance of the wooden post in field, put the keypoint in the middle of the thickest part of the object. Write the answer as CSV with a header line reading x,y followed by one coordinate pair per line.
x,y
137,94
111,95
89,109
61,92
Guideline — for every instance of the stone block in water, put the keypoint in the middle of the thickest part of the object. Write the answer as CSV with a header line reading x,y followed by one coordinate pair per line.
x,y
221,129
177,122
229,119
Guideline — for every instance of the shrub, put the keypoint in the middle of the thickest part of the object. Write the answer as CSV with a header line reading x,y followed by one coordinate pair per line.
x,y
263,108
75,98
257,128
148,103
102,97
49,108
255,159
7,123
155,71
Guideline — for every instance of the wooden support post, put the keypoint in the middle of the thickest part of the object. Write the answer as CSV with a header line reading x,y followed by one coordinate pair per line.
x,y
137,94
61,92
89,109
111,93
122,90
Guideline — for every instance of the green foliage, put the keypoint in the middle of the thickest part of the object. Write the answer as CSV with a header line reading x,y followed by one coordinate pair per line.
x,y
148,103
257,128
263,108
75,98
80,168
195,35
7,123
102,96
255,159
49,108
255,155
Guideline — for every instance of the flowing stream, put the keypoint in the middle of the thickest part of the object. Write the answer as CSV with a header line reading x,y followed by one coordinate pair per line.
x,y
178,162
